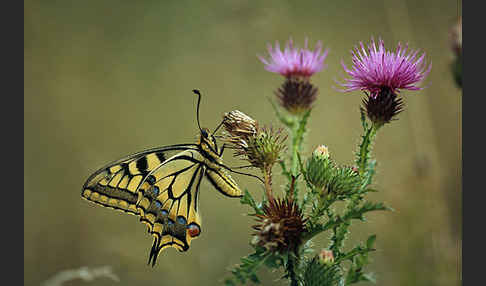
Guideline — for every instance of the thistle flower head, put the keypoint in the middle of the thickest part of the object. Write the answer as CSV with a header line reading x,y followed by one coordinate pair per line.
x,y
281,225
296,95
259,146
382,108
294,61
455,35
375,68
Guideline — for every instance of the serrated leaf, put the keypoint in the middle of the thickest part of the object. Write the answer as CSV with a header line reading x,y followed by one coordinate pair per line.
x,y
247,199
273,261
246,270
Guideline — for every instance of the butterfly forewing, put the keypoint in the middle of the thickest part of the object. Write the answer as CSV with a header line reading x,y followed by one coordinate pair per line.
x,y
116,184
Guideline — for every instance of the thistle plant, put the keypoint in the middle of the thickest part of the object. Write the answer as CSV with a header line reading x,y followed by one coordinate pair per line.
x,y
309,204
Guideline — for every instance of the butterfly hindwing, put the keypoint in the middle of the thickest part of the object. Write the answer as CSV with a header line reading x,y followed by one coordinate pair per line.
x,y
169,202
116,185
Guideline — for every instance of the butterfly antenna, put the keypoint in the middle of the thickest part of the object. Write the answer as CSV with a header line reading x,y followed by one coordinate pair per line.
x,y
198,103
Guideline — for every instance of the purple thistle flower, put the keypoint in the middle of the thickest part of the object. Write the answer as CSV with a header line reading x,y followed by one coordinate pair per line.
x,y
375,69
294,61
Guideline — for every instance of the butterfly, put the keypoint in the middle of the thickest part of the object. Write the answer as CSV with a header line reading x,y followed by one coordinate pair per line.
x,y
161,186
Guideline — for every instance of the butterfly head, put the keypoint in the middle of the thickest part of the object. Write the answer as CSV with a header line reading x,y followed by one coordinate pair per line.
x,y
207,141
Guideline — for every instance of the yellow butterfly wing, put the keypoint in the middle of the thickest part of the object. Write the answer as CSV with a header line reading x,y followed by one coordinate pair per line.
x,y
163,191
116,185
169,202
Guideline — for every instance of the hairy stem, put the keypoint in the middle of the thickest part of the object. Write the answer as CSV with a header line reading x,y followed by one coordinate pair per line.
x,y
365,149
296,142
291,270
267,177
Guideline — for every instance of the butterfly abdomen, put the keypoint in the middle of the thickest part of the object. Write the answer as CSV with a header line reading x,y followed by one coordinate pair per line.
x,y
222,181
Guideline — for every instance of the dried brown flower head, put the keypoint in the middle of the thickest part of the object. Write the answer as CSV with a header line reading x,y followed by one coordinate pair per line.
x,y
238,124
280,227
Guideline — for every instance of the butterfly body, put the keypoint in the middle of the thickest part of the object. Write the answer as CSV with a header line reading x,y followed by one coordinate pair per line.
x,y
162,189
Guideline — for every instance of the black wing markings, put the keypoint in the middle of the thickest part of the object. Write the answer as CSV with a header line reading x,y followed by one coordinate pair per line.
x,y
173,229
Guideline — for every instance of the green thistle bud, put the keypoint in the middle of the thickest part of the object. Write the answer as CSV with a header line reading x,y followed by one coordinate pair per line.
x,y
320,167
326,257
321,151
264,149
345,180
261,147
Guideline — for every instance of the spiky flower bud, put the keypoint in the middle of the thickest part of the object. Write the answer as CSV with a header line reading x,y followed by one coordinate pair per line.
x,y
320,167
321,151
345,180
326,257
265,148
383,107
259,146
280,227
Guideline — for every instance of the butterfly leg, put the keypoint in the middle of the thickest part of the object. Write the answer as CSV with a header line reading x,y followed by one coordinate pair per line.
x,y
222,150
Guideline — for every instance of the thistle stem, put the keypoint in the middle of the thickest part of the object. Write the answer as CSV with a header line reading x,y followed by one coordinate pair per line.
x,y
267,177
291,271
365,149
296,142
297,131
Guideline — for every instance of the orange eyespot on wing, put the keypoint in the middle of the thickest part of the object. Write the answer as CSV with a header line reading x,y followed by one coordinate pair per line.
x,y
169,203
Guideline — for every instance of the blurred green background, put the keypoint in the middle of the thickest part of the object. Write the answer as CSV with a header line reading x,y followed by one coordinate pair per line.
x,y
104,79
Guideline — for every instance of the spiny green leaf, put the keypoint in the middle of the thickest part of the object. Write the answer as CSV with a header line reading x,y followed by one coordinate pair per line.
x,y
317,274
246,270
247,199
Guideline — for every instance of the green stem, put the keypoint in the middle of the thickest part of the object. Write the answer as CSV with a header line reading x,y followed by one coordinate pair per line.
x,y
365,149
293,278
296,143
297,130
